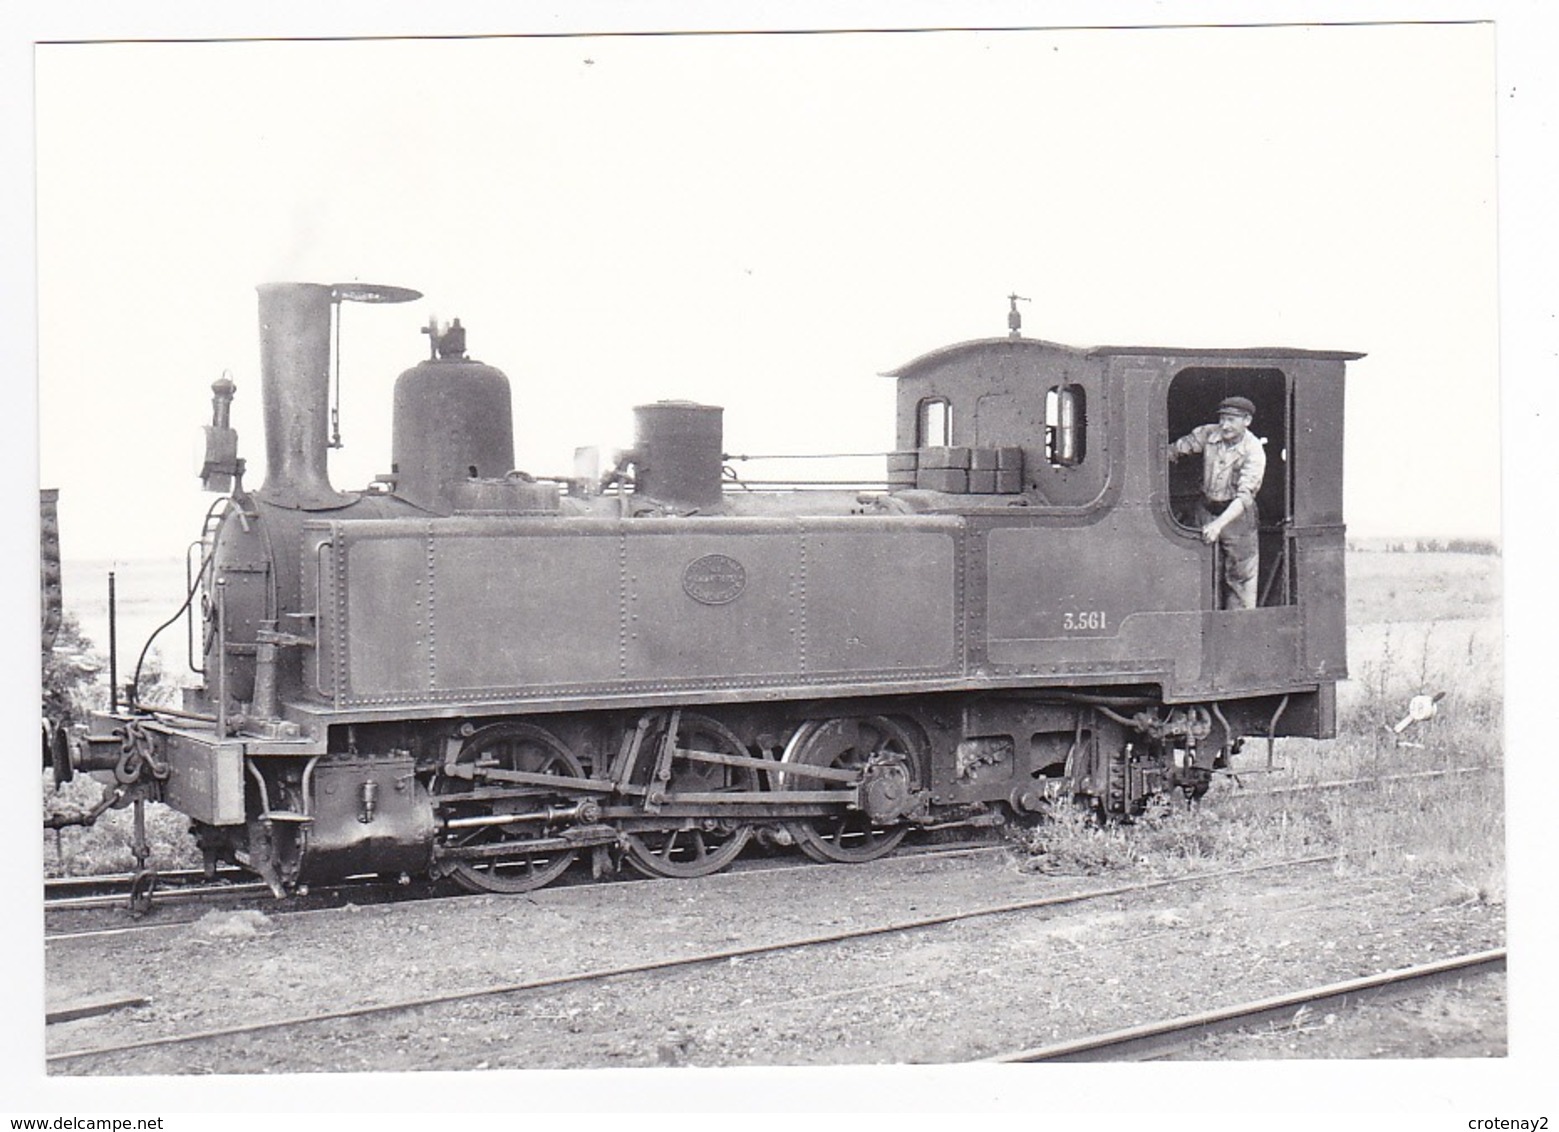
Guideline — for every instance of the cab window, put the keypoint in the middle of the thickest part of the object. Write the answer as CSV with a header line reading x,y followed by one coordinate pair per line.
x,y
1066,425
934,423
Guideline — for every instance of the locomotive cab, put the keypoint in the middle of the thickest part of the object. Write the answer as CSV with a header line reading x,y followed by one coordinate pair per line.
x,y
1095,567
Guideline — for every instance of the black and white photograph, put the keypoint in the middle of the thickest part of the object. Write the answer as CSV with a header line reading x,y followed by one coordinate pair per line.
x,y
673,558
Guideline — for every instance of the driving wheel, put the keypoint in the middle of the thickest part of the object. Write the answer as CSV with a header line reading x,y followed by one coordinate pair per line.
x,y
887,759
508,856
695,847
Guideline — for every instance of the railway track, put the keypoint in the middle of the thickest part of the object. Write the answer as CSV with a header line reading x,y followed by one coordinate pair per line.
x,y
117,890
112,892
721,955
1156,1039
184,885
190,886
1370,780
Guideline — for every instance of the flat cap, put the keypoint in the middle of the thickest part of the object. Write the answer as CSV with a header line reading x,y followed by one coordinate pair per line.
x,y
1237,405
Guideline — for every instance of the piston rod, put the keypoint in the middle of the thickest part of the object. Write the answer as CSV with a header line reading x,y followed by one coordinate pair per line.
x,y
586,811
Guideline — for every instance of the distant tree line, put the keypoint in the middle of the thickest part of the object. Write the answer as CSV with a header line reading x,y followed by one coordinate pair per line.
x,y
1427,546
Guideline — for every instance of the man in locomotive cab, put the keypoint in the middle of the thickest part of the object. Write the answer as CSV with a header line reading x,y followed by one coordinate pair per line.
x,y
1233,463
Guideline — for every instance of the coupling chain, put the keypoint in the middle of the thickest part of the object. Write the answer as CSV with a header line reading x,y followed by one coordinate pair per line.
x,y
138,750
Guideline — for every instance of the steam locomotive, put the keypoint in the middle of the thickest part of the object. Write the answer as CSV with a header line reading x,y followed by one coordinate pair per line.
x,y
468,672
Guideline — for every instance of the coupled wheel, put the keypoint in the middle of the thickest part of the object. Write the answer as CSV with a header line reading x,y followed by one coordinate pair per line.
x,y
696,847
511,866
888,760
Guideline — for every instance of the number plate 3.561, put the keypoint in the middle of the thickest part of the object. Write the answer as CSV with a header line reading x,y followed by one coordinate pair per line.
x,y
1086,621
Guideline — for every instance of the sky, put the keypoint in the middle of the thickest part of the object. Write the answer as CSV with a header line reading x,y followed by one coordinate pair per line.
x,y
765,223
768,223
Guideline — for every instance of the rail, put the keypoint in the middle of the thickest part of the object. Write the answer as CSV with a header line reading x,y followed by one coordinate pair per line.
x,y
1154,1039
722,955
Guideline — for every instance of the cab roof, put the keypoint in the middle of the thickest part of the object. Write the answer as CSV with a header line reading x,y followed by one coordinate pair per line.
x,y
975,345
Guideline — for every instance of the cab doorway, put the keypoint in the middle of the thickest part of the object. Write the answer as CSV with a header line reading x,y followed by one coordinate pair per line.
x,y
1194,394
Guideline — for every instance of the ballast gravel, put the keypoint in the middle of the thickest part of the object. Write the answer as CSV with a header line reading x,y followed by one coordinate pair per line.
x,y
949,993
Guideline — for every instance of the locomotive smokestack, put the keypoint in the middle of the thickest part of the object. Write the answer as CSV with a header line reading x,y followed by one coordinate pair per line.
x,y
295,393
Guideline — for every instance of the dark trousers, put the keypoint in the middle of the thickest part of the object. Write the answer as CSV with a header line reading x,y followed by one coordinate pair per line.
x,y
1238,552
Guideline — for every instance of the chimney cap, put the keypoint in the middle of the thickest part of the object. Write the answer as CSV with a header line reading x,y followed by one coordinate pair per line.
x,y
372,293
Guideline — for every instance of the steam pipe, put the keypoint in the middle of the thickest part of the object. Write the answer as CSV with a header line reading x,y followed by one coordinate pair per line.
x,y
267,704
1272,728
222,656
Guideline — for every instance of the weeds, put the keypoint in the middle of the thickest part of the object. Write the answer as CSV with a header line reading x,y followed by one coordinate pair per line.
x,y
104,847
71,691
1174,838
1071,841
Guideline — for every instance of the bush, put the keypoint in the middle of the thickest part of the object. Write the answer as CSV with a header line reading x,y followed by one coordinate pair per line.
x,y
71,691
104,847
69,671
